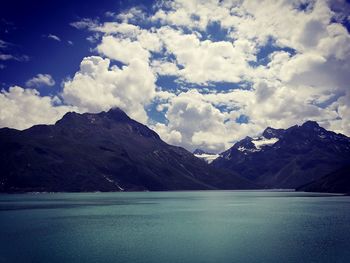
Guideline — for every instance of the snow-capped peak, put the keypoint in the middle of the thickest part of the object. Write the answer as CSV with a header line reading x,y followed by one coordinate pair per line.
x,y
255,144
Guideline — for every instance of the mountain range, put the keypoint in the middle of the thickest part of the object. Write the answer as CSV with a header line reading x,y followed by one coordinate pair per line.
x,y
287,158
109,151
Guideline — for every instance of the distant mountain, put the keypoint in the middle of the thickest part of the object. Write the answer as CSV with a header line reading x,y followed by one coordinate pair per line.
x,y
107,151
206,156
287,158
334,182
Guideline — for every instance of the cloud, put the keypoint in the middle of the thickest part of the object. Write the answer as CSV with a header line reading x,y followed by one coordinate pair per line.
x,y
205,61
4,44
23,108
54,37
41,80
195,121
23,58
122,50
131,15
98,86
190,14
6,57
342,123
84,23
190,107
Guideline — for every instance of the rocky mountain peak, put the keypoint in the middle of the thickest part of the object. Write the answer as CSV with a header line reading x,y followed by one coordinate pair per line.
x,y
310,125
272,133
117,114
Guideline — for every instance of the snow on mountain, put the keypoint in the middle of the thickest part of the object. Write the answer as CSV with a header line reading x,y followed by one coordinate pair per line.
x,y
287,158
262,141
255,144
208,157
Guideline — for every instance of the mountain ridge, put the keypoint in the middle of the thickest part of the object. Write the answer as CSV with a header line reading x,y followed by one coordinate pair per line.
x,y
287,158
107,151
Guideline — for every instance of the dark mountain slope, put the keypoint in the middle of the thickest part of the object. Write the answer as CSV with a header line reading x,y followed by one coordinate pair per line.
x,y
335,182
287,158
102,152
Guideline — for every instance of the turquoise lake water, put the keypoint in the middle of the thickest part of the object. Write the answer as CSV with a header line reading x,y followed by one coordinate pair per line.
x,y
169,227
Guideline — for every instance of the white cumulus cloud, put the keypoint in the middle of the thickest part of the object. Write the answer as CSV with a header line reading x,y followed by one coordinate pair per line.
x,y
98,86
23,108
41,80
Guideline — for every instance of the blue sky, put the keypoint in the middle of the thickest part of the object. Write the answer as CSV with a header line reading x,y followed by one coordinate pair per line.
x,y
203,74
26,25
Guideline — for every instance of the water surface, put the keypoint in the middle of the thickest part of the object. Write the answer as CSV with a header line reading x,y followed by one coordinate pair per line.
x,y
169,227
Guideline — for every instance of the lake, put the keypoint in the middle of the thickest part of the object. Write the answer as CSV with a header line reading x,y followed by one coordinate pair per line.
x,y
169,227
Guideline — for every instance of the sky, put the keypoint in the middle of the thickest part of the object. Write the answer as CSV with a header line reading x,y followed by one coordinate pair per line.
x,y
202,73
